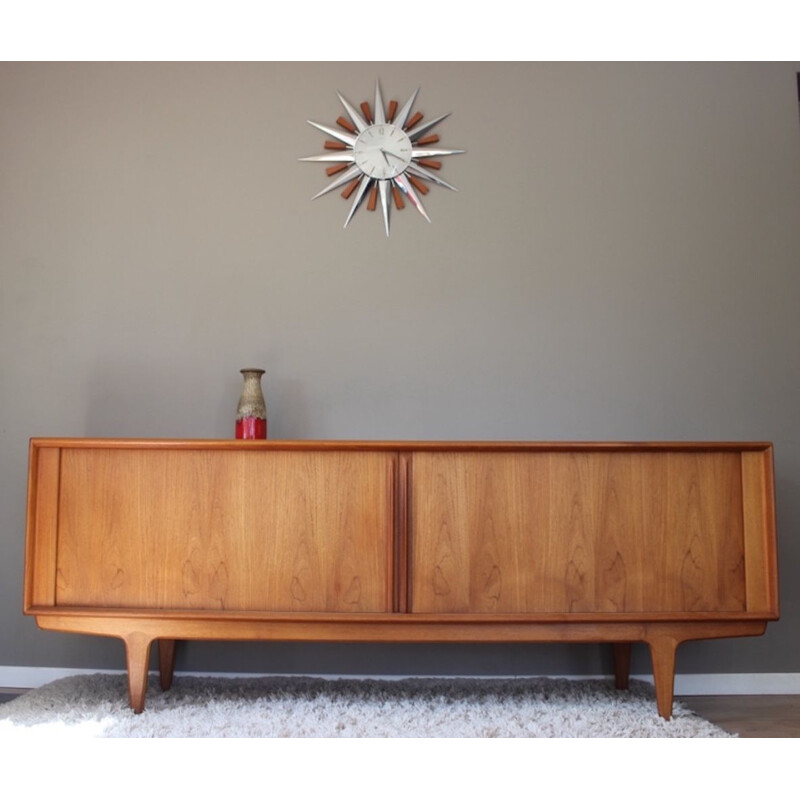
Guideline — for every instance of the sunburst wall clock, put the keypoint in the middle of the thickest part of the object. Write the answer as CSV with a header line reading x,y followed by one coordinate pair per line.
x,y
382,153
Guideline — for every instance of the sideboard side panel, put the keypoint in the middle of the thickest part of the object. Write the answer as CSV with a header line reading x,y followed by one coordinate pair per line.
x,y
42,527
759,531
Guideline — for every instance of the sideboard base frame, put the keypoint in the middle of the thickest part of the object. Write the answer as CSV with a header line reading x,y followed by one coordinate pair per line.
x,y
139,632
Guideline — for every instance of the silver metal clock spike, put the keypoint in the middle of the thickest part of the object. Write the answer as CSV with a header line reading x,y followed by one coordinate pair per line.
x,y
347,138
413,198
418,130
341,156
358,120
428,152
380,111
383,190
402,115
421,172
360,192
346,176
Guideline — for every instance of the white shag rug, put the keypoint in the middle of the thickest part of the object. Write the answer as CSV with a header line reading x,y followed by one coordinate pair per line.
x,y
290,707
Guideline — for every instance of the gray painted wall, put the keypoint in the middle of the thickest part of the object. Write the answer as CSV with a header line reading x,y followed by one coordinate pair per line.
x,y
622,263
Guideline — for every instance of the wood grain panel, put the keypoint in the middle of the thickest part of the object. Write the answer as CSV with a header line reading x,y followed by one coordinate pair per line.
x,y
235,530
703,540
582,531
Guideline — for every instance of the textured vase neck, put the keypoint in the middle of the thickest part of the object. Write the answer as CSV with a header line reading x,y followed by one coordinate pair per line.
x,y
251,401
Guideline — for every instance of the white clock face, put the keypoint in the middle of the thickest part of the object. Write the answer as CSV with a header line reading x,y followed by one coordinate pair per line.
x,y
382,151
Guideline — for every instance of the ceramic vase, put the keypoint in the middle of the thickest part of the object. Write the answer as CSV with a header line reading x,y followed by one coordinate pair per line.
x,y
251,415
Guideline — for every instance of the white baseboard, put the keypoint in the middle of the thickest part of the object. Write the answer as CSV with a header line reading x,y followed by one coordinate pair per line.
x,y
698,684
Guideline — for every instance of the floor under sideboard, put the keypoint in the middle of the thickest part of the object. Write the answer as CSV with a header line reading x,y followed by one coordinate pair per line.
x,y
749,716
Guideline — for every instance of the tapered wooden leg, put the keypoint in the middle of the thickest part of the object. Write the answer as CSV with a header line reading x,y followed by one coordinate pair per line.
x,y
137,650
166,662
622,664
662,652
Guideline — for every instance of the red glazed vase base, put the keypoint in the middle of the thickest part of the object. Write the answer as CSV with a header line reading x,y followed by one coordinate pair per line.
x,y
251,428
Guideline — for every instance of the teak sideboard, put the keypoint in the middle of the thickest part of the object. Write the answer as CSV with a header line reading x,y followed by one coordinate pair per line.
x,y
164,540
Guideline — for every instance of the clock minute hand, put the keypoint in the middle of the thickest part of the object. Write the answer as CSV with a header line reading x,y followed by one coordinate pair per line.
x,y
394,155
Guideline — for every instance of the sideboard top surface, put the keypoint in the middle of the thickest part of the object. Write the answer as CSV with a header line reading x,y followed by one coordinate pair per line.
x,y
396,445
